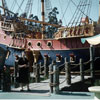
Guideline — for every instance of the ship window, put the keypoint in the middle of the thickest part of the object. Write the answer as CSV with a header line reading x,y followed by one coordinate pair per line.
x,y
29,43
39,44
49,43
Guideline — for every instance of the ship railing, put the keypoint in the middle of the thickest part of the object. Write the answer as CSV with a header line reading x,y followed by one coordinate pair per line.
x,y
67,68
55,70
43,69
77,31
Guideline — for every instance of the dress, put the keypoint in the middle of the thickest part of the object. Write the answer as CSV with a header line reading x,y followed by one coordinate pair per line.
x,y
24,71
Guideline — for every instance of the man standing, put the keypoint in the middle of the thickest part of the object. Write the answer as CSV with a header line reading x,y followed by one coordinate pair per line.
x,y
23,71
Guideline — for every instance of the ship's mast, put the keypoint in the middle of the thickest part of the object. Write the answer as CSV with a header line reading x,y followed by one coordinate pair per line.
x,y
99,13
43,16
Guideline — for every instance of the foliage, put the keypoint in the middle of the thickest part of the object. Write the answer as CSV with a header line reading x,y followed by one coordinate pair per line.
x,y
53,16
52,19
50,30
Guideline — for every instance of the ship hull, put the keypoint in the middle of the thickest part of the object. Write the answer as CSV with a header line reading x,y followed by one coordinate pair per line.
x,y
52,54
10,61
78,53
46,47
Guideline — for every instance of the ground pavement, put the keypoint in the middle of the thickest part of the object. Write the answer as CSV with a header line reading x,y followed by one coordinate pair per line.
x,y
41,91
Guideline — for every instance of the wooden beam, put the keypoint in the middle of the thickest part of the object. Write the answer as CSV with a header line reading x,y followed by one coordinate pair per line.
x,y
41,22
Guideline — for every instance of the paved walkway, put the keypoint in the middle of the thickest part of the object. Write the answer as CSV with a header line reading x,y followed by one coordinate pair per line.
x,y
41,91
63,95
43,87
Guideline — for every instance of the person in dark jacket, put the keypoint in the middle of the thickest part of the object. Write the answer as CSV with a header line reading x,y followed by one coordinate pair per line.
x,y
23,71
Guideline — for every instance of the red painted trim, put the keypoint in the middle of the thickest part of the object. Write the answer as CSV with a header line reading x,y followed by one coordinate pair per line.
x,y
62,44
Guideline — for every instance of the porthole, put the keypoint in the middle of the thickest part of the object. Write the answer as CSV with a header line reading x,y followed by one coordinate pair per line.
x,y
49,43
29,44
39,44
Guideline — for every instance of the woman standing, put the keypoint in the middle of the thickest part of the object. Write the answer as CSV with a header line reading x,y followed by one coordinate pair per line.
x,y
23,71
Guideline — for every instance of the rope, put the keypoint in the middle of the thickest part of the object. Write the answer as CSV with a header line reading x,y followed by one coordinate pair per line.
x,y
74,77
80,14
52,72
74,14
28,8
75,65
80,9
87,71
89,7
12,6
20,5
31,6
62,81
96,58
38,9
42,67
61,65
63,69
54,84
85,63
65,10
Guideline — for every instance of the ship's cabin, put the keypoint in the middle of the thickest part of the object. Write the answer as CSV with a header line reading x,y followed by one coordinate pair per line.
x,y
6,26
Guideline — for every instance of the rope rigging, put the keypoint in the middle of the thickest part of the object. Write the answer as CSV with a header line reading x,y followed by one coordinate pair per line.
x,y
79,14
89,7
66,9
38,8
13,5
63,17
20,6
74,17
28,8
48,9
82,9
74,13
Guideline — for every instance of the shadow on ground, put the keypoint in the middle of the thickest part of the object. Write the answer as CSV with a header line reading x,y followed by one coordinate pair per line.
x,y
32,91
78,87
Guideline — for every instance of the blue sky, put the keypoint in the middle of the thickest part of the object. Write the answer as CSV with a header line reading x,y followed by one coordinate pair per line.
x,y
60,4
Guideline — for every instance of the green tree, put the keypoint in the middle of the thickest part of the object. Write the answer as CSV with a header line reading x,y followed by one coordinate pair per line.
x,y
50,30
